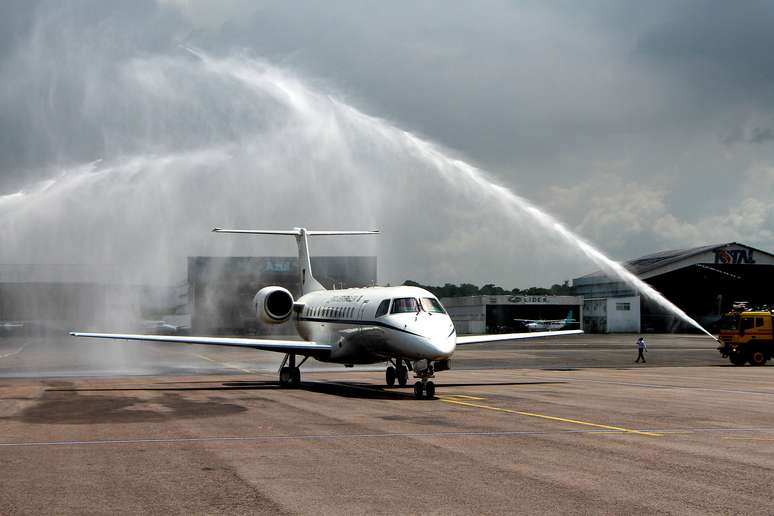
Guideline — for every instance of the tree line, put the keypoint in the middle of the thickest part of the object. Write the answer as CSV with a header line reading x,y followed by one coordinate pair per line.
x,y
490,289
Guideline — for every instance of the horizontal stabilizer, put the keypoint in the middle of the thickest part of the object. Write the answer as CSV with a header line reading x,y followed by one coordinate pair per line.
x,y
295,232
478,339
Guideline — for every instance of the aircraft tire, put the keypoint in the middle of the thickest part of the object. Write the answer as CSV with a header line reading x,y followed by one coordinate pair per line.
x,y
402,375
418,388
285,377
430,390
391,375
295,376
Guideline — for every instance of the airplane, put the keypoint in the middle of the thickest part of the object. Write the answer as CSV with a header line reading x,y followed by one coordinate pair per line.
x,y
548,324
404,326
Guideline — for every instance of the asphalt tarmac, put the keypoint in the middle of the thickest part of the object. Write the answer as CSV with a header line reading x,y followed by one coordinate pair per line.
x,y
568,425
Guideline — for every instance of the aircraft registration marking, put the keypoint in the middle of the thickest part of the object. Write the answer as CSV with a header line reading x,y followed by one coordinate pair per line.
x,y
552,418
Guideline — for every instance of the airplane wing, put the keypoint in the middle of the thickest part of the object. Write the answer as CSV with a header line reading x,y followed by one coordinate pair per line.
x,y
282,346
478,339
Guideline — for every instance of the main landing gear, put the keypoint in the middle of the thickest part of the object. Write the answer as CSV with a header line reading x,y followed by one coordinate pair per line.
x,y
290,375
399,373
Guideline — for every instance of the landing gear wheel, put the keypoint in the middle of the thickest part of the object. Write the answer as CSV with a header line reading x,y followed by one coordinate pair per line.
x,y
430,390
402,375
290,377
418,390
285,377
391,375
737,359
757,358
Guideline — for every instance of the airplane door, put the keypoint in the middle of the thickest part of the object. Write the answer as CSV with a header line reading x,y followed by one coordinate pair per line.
x,y
361,310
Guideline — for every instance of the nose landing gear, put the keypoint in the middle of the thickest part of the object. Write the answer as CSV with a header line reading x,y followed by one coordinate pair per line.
x,y
423,371
424,386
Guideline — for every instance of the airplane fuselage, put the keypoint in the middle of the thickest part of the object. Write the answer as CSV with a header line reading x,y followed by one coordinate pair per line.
x,y
359,332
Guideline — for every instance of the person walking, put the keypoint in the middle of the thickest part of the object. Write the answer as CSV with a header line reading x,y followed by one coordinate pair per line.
x,y
642,347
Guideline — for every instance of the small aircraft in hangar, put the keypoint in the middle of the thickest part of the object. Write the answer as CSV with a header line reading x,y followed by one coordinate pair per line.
x,y
548,324
404,326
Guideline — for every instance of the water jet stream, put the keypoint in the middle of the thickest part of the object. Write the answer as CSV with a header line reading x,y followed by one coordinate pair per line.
x,y
332,128
544,220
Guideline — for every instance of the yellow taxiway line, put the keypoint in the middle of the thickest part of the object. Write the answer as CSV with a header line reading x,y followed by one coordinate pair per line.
x,y
552,418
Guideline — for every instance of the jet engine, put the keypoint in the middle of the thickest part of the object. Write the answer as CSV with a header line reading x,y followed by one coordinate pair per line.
x,y
273,305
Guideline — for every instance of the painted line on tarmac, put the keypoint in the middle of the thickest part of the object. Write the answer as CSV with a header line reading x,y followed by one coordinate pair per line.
x,y
230,366
750,438
12,353
323,437
552,418
311,437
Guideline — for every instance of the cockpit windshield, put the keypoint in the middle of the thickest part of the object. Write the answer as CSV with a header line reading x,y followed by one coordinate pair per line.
x,y
729,322
432,305
403,305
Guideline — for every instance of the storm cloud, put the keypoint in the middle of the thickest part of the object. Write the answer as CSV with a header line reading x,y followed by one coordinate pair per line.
x,y
643,126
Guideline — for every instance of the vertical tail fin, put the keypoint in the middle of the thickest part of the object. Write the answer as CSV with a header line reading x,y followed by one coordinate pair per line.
x,y
308,281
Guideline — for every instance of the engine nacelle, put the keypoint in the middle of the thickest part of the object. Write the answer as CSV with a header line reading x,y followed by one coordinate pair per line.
x,y
273,305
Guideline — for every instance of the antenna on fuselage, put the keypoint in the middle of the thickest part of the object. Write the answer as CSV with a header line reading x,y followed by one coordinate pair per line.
x,y
308,282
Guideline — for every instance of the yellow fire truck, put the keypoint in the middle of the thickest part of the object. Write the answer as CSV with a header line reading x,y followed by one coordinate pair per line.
x,y
747,336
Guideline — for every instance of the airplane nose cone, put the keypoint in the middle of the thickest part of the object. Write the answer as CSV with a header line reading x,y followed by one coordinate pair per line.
x,y
444,340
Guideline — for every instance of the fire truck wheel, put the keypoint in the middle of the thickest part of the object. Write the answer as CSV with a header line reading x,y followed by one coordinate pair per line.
x,y
737,359
757,358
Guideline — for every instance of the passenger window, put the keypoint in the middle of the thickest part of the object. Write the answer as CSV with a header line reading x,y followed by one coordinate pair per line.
x,y
747,323
404,305
758,321
384,307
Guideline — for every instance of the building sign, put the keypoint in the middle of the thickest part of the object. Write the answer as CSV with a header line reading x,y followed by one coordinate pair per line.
x,y
277,266
734,256
528,299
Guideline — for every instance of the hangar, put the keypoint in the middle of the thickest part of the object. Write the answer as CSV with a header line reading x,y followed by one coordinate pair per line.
x,y
49,297
704,281
499,314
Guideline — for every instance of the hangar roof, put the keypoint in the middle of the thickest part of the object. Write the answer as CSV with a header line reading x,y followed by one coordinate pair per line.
x,y
729,253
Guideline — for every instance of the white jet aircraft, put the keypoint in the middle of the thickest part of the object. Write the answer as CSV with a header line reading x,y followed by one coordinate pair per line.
x,y
404,326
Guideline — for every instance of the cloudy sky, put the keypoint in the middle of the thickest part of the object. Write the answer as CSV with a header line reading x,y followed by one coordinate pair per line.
x,y
641,126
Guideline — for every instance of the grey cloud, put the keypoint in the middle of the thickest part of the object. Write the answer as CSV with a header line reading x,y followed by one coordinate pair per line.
x,y
762,135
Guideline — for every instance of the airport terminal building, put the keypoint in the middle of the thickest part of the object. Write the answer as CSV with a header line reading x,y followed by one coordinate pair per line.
x,y
501,314
703,281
